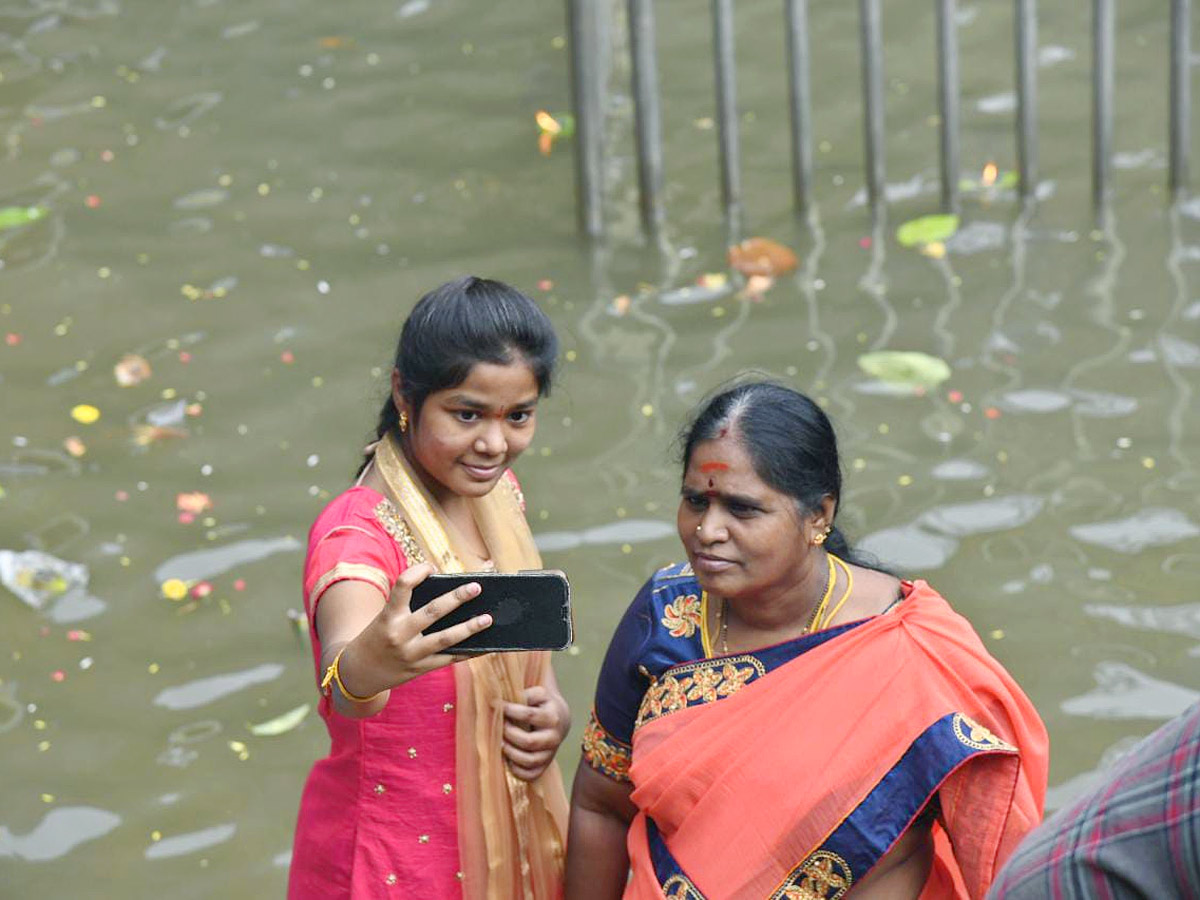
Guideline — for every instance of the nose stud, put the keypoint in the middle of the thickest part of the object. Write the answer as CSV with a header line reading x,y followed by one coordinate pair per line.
x,y
698,527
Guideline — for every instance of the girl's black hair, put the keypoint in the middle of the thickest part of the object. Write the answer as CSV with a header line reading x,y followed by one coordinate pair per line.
x,y
462,323
790,441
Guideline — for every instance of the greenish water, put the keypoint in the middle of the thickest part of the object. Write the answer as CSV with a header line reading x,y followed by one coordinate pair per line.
x,y
252,195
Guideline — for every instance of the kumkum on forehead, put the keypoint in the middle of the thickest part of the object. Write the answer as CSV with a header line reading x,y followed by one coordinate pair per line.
x,y
714,467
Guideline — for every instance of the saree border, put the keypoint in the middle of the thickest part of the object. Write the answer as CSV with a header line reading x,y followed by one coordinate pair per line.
x,y
853,847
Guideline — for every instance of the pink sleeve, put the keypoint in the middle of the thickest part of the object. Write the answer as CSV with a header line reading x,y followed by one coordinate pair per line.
x,y
350,552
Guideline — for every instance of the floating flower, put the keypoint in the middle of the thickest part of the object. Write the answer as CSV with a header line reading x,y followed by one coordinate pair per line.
x,y
131,369
174,589
85,414
75,446
194,502
762,256
552,128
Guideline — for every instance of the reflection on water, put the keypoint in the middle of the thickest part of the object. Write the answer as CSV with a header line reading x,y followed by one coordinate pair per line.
x,y
1151,527
248,197
180,844
59,832
1123,692
206,690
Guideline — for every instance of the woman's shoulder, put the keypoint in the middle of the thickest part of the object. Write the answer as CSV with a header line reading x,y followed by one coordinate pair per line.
x,y
355,506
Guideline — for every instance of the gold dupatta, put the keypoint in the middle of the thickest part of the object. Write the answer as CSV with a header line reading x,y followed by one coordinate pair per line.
x,y
511,833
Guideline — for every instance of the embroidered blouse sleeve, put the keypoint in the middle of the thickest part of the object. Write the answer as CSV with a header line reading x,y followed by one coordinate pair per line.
x,y
607,740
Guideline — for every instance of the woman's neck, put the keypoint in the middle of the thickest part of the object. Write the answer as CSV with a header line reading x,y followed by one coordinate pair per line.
x,y
784,608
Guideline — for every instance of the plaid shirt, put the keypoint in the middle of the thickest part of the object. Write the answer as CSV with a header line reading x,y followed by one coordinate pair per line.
x,y
1136,835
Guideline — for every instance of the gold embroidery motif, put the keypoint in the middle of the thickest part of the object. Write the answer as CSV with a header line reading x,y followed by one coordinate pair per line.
x,y
822,876
393,523
974,735
699,682
680,887
604,752
682,617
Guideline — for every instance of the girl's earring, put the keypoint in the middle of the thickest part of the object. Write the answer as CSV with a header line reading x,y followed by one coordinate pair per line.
x,y
403,421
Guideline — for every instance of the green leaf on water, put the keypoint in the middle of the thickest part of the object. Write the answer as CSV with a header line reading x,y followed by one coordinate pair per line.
x,y
1009,179
905,368
926,230
281,724
16,216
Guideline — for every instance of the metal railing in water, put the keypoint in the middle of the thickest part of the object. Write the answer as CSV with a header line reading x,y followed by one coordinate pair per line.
x,y
585,20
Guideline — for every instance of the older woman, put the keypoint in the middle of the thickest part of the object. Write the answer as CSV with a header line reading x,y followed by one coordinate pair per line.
x,y
775,720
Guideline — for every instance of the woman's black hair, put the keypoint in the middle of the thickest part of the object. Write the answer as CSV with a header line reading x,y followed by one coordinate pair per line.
x,y
790,440
458,325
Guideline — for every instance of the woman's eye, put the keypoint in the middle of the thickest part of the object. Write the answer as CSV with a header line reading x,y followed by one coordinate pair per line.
x,y
742,511
467,415
695,501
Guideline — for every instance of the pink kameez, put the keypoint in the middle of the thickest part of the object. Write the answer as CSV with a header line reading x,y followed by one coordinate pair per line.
x,y
378,816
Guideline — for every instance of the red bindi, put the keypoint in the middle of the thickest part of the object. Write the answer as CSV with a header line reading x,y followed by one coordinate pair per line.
x,y
714,467
710,483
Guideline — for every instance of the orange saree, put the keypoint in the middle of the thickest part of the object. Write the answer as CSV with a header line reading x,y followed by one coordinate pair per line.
x,y
789,772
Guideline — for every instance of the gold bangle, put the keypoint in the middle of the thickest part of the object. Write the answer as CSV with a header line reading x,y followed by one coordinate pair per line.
x,y
333,676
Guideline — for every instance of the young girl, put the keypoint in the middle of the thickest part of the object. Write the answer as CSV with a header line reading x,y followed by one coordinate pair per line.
x,y
440,781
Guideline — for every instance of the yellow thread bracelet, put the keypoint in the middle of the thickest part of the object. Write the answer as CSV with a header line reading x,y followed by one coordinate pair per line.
x,y
333,676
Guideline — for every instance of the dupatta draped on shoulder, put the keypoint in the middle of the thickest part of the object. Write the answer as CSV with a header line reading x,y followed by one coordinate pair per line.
x,y
788,773
511,832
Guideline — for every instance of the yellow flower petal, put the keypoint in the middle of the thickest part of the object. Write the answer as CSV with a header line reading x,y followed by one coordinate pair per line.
x,y
85,414
174,589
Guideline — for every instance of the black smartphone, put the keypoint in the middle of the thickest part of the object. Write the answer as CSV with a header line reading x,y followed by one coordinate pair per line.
x,y
530,610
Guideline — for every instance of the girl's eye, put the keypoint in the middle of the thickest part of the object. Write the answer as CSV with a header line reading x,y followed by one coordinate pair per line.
x,y
467,415
520,417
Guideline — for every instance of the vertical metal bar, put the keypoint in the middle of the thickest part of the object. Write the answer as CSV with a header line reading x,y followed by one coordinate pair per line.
x,y
1026,40
647,117
1181,94
727,115
587,97
947,38
1103,39
871,38
800,94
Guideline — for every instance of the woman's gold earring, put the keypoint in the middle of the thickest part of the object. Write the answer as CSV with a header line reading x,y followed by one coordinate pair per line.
x,y
819,537
403,422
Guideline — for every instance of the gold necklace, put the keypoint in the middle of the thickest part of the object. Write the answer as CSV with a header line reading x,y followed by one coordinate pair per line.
x,y
812,619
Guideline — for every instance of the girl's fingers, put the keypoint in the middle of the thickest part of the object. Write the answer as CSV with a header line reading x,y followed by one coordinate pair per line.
x,y
524,759
530,741
440,641
409,579
536,695
533,717
416,622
